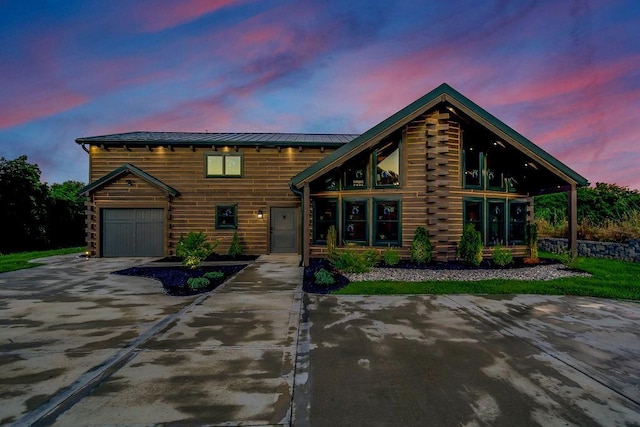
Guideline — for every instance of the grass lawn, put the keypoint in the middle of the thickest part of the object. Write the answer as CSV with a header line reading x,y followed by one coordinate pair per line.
x,y
610,279
20,260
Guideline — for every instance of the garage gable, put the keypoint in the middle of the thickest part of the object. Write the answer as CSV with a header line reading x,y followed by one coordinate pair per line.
x,y
121,172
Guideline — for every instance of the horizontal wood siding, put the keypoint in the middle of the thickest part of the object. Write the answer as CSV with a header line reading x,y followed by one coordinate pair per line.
x,y
264,183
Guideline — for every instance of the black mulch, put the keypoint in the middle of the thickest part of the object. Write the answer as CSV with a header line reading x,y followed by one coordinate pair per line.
x,y
315,264
174,279
212,257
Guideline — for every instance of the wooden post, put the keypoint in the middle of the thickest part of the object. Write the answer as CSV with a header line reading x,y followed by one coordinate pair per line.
x,y
573,222
306,219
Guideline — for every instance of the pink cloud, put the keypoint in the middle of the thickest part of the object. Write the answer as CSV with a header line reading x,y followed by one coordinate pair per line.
x,y
37,105
160,16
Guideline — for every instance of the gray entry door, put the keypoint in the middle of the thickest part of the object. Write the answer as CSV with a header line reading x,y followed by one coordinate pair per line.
x,y
284,230
132,232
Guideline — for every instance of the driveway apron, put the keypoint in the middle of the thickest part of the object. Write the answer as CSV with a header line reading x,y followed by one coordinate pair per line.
x,y
472,360
226,357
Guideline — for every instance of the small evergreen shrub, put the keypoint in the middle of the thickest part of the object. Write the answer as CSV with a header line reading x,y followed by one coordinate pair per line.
x,y
391,257
331,243
531,240
353,261
371,256
421,249
501,256
194,248
470,246
195,283
324,278
213,275
235,249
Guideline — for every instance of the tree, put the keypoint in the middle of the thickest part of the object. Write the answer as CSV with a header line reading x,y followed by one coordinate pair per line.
x,y
66,215
23,202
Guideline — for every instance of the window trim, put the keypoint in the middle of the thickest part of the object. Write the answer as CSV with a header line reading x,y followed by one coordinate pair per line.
x,y
505,221
374,165
374,221
367,220
314,218
233,226
224,163
525,204
481,170
482,221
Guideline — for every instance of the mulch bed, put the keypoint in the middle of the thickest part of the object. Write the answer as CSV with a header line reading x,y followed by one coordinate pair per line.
x,y
174,279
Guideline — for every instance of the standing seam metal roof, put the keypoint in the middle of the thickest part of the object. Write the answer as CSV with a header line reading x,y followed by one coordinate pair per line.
x,y
196,138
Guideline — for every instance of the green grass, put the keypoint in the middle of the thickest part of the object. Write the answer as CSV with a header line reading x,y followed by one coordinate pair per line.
x,y
610,279
20,260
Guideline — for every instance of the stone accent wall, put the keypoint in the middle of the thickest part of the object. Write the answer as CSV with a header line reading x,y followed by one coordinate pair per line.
x,y
629,251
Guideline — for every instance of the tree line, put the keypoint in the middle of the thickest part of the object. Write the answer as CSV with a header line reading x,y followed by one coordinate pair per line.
x,y
34,215
596,205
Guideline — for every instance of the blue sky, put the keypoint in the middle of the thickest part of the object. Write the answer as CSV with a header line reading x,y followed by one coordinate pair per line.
x,y
565,74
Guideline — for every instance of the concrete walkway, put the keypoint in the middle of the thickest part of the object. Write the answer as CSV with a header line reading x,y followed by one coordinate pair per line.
x,y
114,351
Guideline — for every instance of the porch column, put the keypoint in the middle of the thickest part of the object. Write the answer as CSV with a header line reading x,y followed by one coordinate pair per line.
x,y
573,221
306,219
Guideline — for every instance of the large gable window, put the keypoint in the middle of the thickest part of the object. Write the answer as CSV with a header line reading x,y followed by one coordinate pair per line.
x,y
386,160
355,221
325,215
472,167
224,165
387,222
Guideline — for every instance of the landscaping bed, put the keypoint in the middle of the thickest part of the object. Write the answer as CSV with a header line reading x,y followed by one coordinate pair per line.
x,y
174,279
213,258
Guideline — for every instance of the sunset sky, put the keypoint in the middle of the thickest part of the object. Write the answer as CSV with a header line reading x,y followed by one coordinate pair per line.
x,y
564,73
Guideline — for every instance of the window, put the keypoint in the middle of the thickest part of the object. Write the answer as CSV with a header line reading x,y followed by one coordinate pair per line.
x,y
495,178
355,221
387,165
354,173
227,216
472,167
495,223
224,165
473,214
325,214
387,222
517,221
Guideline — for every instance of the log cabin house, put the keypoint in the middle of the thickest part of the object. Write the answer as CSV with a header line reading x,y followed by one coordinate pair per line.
x,y
440,162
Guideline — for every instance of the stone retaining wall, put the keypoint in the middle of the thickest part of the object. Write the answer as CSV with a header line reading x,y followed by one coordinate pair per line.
x,y
629,251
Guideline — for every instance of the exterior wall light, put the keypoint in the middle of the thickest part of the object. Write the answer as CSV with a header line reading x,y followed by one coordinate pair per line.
x,y
260,214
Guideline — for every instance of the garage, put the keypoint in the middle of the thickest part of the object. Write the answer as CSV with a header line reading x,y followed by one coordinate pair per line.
x,y
132,232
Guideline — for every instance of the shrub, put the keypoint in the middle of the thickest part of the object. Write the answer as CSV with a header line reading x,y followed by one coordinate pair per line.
x,y
197,283
391,256
194,248
371,256
470,246
331,243
235,249
421,247
213,275
531,240
353,261
501,256
323,277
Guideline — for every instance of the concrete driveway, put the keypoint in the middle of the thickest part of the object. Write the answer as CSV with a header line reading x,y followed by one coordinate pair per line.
x,y
79,346
471,360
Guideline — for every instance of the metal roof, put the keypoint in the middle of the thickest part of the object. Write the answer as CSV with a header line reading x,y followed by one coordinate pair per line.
x,y
198,139
442,94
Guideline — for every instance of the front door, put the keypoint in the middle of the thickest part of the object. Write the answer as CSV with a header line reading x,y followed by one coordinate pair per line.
x,y
284,230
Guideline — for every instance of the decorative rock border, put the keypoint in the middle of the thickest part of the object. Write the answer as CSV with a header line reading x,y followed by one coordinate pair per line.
x,y
629,251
